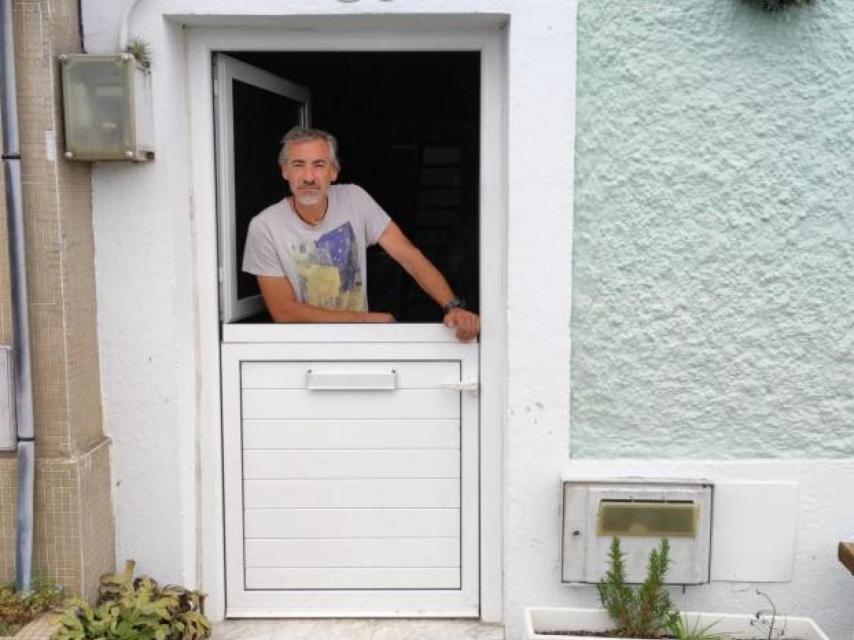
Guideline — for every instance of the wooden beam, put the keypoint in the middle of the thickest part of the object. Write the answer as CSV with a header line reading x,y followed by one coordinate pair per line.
x,y
846,555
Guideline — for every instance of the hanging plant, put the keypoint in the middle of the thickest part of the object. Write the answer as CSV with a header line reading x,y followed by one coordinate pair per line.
x,y
777,5
140,50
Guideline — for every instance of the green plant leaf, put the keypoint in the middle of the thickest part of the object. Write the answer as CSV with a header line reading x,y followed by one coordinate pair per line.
x,y
640,612
136,609
681,630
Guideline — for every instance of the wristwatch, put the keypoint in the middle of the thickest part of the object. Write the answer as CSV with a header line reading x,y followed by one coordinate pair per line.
x,y
454,303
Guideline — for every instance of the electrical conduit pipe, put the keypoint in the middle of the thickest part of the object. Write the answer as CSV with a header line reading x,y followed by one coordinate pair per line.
x,y
20,318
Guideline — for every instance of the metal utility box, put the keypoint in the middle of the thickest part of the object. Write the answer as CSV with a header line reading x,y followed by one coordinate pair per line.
x,y
106,103
640,512
8,428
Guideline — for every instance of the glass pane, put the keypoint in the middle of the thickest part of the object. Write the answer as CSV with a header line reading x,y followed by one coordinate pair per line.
x,y
261,118
654,519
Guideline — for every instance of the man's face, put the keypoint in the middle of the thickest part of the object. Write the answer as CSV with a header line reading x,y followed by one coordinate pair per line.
x,y
309,171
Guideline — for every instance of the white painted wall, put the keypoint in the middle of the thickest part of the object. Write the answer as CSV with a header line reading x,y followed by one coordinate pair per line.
x,y
145,283
150,326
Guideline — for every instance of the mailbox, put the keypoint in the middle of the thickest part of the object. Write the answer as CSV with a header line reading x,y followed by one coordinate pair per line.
x,y
640,512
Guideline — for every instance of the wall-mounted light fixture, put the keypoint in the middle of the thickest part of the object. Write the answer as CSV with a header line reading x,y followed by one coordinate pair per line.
x,y
107,108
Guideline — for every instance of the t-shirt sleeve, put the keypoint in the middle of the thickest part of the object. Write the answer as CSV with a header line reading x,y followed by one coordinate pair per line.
x,y
375,217
259,256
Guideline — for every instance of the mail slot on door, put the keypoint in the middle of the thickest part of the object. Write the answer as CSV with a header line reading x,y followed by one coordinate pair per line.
x,y
640,512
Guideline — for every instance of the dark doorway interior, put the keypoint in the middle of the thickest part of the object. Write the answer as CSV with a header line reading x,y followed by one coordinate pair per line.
x,y
408,127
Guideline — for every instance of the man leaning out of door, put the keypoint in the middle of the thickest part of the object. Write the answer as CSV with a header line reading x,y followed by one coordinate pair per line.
x,y
309,250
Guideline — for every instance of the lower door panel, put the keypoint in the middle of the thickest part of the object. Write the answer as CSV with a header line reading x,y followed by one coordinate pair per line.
x,y
351,483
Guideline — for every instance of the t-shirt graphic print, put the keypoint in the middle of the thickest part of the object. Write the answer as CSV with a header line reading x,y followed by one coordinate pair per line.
x,y
329,274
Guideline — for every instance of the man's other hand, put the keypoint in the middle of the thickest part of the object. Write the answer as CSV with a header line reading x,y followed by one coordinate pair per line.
x,y
466,323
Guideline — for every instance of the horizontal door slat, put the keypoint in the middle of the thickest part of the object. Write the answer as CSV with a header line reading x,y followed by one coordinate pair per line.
x,y
292,375
351,523
384,552
361,578
352,494
268,404
351,434
430,463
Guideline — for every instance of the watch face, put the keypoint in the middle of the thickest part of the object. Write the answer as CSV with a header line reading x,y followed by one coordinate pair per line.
x,y
455,303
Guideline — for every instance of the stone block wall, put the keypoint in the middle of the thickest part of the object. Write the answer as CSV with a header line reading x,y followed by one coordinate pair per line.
x,y
74,537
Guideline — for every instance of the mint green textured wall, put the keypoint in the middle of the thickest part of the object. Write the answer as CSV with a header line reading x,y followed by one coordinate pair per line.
x,y
713,284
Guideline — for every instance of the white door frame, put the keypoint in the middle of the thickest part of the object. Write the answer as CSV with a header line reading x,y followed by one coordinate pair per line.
x,y
201,42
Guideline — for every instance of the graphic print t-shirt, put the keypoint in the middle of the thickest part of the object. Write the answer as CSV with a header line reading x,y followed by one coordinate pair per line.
x,y
325,264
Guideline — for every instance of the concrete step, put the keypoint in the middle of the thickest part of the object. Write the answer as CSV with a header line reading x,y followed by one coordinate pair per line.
x,y
303,629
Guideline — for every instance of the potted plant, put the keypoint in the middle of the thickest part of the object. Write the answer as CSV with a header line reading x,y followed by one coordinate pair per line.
x,y
139,608
647,613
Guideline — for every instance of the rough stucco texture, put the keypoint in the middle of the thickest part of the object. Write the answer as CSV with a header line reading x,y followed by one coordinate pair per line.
x,y
713,286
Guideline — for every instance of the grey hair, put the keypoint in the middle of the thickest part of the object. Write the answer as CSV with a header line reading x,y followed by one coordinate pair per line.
x,y
302,134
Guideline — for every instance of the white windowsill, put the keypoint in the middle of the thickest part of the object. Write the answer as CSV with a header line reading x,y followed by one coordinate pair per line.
x,y
402,332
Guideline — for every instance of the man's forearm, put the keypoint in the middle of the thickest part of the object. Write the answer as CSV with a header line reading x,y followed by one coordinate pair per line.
x,y
429,278
299,312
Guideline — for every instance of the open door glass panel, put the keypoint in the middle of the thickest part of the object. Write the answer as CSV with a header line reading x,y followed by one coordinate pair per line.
x,y
254,109
259,116
408,127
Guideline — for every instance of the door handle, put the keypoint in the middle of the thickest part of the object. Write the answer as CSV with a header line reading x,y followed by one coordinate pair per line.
x,y
468,385
351,381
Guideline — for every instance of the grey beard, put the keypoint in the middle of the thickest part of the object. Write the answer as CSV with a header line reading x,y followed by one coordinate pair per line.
x,y
307,200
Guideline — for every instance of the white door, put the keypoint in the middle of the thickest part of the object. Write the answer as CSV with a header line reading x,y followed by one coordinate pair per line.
x,y
351,479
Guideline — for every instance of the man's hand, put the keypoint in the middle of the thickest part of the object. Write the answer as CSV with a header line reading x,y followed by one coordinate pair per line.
x,y
466,323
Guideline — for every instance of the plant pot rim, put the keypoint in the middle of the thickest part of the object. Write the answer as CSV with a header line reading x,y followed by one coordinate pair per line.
x,y
597,620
